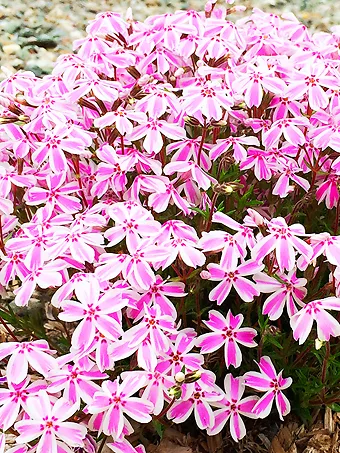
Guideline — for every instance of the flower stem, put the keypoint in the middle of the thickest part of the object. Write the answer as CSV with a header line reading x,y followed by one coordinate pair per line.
x,y
102,444
324,369
165,410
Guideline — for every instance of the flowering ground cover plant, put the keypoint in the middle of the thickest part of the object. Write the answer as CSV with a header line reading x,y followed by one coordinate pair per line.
x,y
171,191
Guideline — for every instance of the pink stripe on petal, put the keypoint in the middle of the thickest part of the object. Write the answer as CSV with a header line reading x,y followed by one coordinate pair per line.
x,y
263,407
203,415
282,404
267,367
234,387
237,428
210,342
232,353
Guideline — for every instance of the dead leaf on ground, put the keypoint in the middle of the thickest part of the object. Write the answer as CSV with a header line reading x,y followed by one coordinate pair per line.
x,y
166,446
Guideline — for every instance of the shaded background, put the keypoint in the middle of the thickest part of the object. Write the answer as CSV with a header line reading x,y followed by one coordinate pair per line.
x,y
34,33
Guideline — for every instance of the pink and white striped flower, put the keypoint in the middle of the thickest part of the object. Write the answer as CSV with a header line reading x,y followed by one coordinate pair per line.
x,y
285,241
116,399
227,332
233,406
286,290
33,353
95,311
326,325
48,421
272,384
233,277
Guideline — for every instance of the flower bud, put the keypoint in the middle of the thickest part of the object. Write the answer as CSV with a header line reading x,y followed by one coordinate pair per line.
x,y
128,15
205,275
175,391
208,7
179,377
193,376
179,72
318,344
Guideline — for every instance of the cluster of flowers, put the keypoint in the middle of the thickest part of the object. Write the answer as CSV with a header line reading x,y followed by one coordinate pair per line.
x,y
110,172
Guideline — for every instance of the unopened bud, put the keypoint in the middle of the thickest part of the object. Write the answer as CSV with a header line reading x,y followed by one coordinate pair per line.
x,y
205,275
144,80
318,344
179,377
175,392
128,15
179,72
208,7
193,376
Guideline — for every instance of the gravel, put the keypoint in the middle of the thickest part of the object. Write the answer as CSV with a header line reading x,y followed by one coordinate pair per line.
x,y
34,34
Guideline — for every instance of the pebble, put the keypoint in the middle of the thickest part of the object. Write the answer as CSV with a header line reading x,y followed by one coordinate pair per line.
x,y
10,49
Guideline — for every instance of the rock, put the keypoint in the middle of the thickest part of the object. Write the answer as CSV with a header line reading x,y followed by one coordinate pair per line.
x,y
46,43
11,26
10,49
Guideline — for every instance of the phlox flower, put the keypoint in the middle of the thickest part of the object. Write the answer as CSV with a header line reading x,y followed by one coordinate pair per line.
x,y
57,195
95,311
226,331
14,398
233,406
80,242
159,201
116,399
286,290
217,240
239,152
109,174
12,265
157,385
257,78
59,141
326,325
131,223
153,130
190,148
185,249
34,353
154,328
124,446
137,267
178,355
234,277
209,99
310,80
158,100
287,173
162,58
289,127
66,290
328,191
191,169
46,276
76,381
198,398
120,118
158,294
176,229
329,246
285,241
48,421
272,384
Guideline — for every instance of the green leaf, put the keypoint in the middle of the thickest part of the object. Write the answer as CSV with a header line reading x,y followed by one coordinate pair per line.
x,y
159,428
